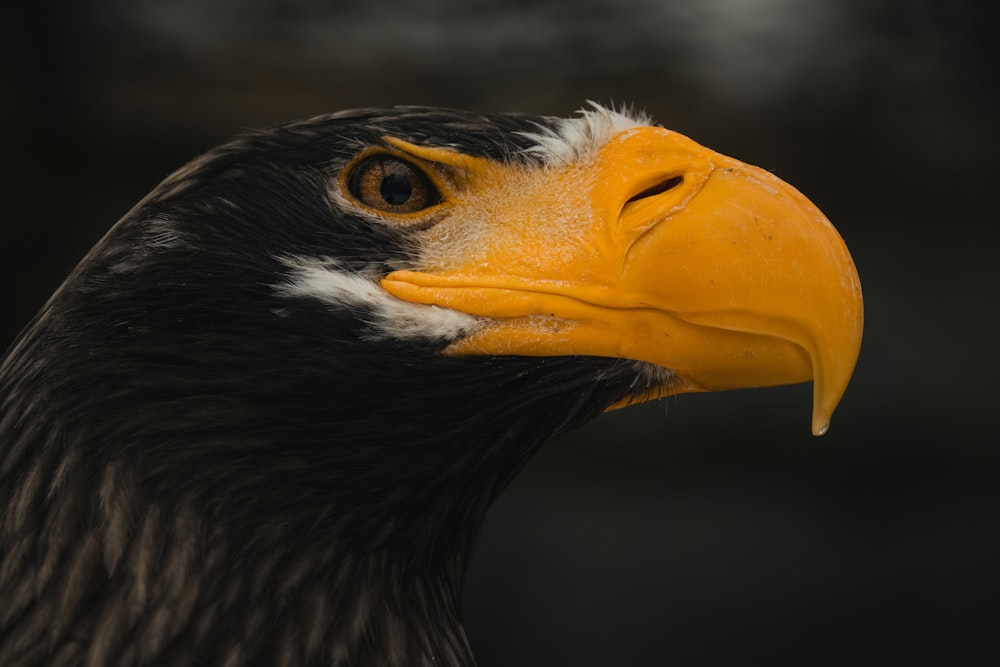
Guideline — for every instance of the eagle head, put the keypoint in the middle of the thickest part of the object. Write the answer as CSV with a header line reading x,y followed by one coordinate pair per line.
x,y
264,417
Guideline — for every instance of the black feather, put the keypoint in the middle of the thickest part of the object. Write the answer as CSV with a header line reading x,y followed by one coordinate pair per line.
x,y
194,468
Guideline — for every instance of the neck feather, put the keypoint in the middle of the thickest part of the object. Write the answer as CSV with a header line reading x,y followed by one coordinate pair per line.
x,y
116,579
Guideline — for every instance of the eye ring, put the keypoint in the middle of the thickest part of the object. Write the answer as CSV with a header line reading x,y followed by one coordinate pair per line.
x,y
391,184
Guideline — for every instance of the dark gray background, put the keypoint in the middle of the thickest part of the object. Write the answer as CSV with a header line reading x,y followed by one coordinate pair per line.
x,y
714,530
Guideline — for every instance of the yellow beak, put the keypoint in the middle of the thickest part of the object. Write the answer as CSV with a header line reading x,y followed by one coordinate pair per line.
x,y
671,254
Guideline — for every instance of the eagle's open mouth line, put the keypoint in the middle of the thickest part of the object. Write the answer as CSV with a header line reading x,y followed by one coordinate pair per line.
x,y
504,293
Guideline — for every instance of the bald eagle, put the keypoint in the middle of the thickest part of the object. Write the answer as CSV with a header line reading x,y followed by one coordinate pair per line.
x,y
262,420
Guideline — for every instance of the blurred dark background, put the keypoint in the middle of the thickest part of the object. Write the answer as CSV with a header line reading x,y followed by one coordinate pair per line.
x,y
712,529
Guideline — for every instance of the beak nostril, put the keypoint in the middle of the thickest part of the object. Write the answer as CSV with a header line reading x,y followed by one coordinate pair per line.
x,y
658,189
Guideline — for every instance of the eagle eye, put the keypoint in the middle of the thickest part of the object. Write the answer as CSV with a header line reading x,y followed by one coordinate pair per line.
x,y
391,184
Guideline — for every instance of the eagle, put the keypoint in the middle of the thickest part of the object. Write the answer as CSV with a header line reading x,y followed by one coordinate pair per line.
x,y
263,419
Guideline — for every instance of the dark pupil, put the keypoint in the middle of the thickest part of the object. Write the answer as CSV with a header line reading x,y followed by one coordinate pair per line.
x,y
395,189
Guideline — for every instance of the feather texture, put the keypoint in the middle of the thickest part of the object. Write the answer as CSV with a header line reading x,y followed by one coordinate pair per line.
x,y
197,467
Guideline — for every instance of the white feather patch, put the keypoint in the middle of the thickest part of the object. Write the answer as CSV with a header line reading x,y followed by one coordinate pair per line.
x,y
580,138
388,316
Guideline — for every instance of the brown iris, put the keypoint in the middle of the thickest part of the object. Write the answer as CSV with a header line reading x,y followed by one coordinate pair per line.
x,y
388,183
